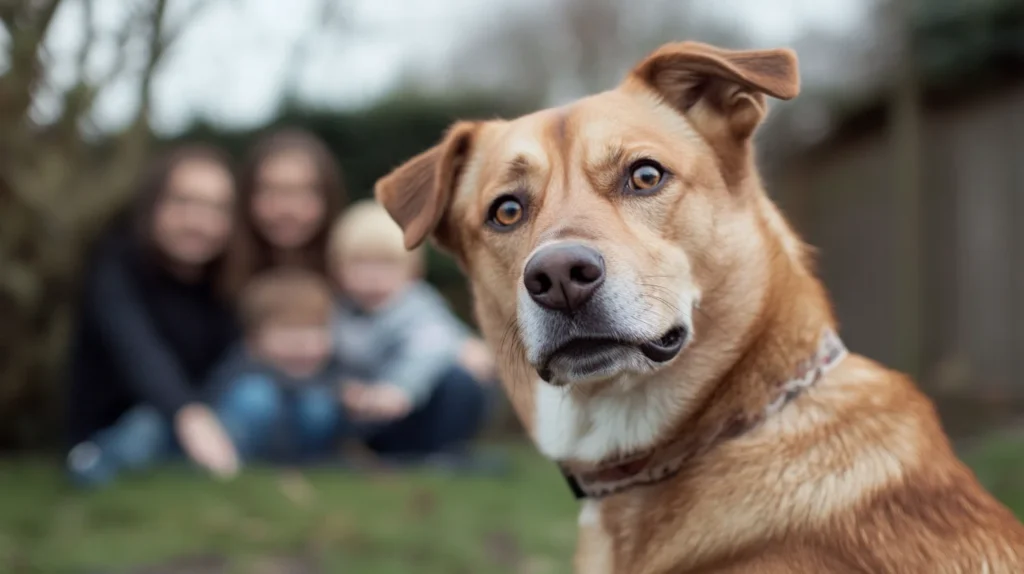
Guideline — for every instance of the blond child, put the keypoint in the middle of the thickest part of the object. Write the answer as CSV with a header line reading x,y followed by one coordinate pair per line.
x,y
416,373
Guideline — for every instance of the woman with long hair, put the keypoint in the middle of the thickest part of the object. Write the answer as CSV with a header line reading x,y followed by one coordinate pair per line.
x,y
289,192
153,324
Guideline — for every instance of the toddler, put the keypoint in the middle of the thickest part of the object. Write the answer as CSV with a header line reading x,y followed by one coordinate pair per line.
x,y
414,373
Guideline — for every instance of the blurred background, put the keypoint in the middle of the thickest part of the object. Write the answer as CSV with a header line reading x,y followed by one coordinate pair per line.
x,y
902,161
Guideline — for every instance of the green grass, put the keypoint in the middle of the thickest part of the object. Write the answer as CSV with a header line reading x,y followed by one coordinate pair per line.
x,y
998,461
369,524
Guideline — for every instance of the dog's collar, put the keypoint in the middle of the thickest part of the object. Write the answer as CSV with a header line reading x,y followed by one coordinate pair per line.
x,y
658,464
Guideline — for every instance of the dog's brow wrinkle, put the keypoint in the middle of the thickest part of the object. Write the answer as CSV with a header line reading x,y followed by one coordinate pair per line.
x,y
600,172
560,138
562,129
611,161
558,129
518,169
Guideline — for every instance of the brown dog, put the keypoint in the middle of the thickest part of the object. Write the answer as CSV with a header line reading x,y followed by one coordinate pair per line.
x,y
664,339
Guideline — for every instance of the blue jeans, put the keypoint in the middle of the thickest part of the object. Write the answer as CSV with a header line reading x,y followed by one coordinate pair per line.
x,y
265,421
251,411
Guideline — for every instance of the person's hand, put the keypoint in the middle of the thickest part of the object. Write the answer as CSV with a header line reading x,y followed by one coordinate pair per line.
x,y
379,402
205,441
476,357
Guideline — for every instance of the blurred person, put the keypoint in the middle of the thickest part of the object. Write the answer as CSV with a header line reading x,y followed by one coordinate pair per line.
x,y
151,326
285,356
416,374
290,188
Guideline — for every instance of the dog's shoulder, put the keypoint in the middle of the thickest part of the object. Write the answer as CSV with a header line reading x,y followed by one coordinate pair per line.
x,y
856,477
931,522
931,516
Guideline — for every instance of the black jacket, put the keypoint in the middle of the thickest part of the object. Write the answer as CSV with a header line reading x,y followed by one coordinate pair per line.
x,y
143,336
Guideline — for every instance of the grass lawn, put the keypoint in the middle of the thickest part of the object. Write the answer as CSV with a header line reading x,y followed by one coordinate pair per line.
x,y
177,522
998,461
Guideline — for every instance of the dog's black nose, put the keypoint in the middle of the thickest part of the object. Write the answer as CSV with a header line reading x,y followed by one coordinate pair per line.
x,y
562,277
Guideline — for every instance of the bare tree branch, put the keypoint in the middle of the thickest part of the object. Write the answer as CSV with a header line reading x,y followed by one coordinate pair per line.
x,y
132,144
157,45
88,38
27,23
29,27
77,98
90,89
161,39
136,23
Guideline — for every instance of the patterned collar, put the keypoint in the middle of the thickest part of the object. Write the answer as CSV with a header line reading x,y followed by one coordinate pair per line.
x,y
664,462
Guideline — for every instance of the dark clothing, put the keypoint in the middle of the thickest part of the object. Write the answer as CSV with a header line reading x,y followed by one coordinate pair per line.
x,y
447,422
143,336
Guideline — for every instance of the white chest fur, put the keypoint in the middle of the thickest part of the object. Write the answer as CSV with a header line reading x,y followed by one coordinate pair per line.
x,y
590,429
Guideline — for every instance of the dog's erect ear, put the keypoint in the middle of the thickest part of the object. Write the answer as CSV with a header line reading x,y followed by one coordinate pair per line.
x,y
720,89
417,194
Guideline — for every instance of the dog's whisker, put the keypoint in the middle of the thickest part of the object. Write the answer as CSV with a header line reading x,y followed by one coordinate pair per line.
x,y
670,305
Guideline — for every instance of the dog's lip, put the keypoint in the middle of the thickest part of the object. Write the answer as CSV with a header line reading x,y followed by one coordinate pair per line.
x,y
580,348
666,347
660,350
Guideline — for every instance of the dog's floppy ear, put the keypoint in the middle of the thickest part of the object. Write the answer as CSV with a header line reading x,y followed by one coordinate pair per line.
x,y
417,194
721,91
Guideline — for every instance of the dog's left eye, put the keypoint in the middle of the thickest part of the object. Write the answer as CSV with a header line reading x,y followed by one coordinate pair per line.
x,y
506,212
645,177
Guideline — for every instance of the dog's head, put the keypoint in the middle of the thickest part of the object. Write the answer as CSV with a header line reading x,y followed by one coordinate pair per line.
x,y
597,235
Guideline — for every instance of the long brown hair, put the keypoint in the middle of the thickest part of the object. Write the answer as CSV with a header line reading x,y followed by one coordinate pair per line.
x,y
249,252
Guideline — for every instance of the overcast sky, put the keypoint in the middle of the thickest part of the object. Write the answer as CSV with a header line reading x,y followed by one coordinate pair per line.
x,y
230,63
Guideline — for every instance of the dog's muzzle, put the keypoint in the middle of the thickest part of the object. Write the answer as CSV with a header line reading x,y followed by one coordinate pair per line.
x,y
584,326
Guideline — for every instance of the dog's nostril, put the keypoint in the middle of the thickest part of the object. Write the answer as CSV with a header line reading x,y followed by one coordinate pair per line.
x,y
586,273
538,283
672,337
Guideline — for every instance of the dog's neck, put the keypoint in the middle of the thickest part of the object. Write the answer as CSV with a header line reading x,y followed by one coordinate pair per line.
x,y
664,461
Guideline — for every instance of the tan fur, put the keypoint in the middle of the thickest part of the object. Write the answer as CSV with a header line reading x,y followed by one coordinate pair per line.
x,y
594,546
855,475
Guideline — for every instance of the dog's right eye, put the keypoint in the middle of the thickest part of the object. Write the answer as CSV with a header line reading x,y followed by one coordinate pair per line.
x,y
505,213
645,177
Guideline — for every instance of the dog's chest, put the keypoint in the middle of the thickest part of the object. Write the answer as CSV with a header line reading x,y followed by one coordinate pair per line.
x,y
591,429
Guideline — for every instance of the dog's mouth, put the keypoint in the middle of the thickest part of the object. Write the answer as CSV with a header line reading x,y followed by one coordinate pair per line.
x,y
591,356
